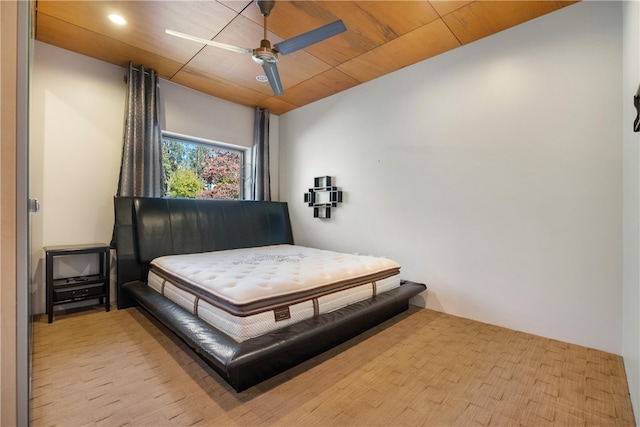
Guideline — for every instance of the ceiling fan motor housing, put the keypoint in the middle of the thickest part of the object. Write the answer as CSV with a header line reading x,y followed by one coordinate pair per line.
x,y
264,53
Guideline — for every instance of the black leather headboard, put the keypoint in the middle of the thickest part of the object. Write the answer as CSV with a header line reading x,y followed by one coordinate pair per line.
x,y
147,228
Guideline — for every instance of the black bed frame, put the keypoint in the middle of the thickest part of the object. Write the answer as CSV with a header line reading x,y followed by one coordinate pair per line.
x,y
146,228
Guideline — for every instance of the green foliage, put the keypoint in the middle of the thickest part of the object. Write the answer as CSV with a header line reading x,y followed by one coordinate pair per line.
x,y
173,156
193,170
185,183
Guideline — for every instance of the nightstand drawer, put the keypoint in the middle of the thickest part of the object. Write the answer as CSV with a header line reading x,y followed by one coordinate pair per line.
x,y
80,292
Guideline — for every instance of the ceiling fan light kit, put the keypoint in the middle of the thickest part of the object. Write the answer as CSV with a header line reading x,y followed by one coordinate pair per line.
x,y
266,55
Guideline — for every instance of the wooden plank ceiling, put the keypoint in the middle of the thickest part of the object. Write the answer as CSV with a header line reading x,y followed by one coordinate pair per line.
x,y
381,37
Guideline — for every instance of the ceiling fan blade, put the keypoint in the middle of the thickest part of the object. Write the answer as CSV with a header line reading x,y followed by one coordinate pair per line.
x,y
210,42
311,37
271,70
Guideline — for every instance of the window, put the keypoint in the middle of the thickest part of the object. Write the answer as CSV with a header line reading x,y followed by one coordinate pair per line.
x,y
197,168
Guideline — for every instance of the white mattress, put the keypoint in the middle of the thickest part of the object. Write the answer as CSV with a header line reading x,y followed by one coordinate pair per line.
x,y
249,292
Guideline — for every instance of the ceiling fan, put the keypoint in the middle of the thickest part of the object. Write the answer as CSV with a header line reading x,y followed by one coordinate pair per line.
x,y
266,55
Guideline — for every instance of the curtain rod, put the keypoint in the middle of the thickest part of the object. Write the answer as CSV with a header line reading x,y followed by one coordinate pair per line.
x,y
135,69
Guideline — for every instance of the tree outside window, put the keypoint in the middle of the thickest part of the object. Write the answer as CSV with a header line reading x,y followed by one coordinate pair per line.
x,y
203,171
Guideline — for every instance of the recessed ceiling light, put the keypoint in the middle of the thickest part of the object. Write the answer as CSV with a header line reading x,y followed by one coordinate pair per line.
x,y
117,19
262,79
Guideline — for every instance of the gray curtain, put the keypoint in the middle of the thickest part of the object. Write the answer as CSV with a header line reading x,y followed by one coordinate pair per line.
x,y
261,188
141,169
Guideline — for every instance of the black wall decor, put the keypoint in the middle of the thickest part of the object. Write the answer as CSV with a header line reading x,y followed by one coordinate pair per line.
x,y
322,197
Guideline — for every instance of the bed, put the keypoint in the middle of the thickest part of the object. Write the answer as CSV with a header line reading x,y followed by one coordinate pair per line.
x,y
191,263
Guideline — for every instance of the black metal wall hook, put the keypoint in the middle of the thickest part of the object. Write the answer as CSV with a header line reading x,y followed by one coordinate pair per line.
x,y
636,102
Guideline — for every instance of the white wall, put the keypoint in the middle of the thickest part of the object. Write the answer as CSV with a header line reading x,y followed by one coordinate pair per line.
x,y
76,124
492,173
189,112
631,147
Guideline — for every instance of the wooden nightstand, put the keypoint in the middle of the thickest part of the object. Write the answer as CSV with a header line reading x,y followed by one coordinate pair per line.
x,y
64,290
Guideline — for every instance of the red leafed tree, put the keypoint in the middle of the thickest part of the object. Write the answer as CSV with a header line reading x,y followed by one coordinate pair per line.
x,y
222,175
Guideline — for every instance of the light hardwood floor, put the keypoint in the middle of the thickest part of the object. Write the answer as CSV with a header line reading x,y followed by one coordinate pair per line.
x,y
420,368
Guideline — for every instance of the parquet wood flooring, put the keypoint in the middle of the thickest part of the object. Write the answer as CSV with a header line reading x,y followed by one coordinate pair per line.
x,y
422,368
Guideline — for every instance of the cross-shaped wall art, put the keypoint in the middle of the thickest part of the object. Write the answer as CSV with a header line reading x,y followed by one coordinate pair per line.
x,y
322,197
